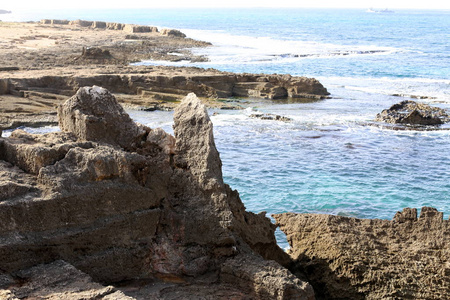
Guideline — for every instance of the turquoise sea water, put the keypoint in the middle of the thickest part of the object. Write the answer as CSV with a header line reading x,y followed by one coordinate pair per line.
x,y
327,160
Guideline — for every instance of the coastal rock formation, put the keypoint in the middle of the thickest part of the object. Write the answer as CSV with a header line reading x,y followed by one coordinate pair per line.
x,y
172,32
115,201
147,88
42,63
278,87
413,113
349,258
93,114
111,26
138,28
54,22
82,23
213,84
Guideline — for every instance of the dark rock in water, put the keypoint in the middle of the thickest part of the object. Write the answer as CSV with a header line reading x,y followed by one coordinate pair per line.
x,y
107,200
270,117
413,113
349,258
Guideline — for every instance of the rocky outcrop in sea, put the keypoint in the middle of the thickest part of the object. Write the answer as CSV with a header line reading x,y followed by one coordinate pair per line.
x,y
111,209
413,113
146,89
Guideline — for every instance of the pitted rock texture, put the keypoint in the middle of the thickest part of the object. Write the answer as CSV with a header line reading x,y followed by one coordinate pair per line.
x,y
94,114
122,202
204,83
413,113
57,281
349,258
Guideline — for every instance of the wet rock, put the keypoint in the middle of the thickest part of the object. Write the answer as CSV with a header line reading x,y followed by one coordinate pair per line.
x,y
413,113
342,257
270,117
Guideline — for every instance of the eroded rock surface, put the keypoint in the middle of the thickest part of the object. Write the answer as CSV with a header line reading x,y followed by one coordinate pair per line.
x,y
93,114
122,202
30,101
413,113
349,258
56,281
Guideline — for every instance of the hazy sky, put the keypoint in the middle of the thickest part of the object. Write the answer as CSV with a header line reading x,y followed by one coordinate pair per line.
x,y
427,4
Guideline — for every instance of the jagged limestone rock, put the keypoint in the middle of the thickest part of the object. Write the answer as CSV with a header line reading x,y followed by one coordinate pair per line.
x,y
349,258
120,201
94,114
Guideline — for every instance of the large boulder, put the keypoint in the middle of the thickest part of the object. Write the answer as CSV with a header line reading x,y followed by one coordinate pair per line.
x,y
349,258
413,113
94,114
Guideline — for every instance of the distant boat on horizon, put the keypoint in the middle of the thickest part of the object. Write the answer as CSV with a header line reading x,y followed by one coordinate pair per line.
x,y
371,10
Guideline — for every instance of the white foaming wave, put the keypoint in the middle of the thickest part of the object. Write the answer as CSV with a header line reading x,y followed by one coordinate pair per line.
x,y
181,63
428,89
33,130
229,48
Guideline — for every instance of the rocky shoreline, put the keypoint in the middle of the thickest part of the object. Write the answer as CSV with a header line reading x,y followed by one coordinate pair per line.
x,y
44,63
114,201
111,209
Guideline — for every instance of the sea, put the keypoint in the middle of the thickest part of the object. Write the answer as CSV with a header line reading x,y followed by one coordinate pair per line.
x,y
332,158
